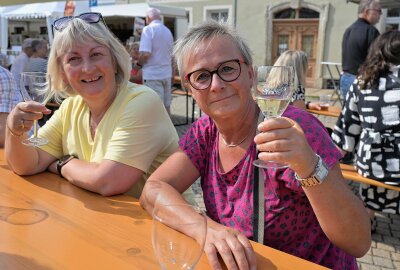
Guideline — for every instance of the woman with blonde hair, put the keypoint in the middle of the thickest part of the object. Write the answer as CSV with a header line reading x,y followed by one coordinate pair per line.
x,y
299,60
108,134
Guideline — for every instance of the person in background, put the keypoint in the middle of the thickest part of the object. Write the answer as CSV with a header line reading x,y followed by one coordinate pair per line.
x,y
9,97
38,60
371,119
20,61
136,72
108,135
356,41
4,60
310,211
155,56
298,60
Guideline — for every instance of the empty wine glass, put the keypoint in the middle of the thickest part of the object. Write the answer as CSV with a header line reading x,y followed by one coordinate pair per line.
x,y
173,247
35,86
272,91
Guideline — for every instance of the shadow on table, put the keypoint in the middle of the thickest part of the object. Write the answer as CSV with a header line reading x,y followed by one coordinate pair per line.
x,y
119,205
12,261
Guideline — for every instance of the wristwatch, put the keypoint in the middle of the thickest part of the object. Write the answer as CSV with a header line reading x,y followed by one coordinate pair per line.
x,y
62,161
317,177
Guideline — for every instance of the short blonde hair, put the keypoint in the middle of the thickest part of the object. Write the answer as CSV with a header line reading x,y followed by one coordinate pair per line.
x,y
79,31
298,60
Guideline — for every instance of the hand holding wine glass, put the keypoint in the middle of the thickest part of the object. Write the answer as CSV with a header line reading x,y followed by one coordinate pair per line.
x,y
35,86
272,91
173,247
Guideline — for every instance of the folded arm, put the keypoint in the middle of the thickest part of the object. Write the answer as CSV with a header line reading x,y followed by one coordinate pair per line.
x,y
106,178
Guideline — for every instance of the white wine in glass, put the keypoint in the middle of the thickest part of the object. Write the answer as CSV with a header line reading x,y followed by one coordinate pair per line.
x,y
272,91
35,86
173,248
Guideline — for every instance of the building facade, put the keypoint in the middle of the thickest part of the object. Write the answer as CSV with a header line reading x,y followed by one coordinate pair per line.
x,y
273,26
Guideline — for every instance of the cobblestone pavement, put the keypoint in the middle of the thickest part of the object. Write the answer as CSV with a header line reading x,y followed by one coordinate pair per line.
x,y
384,253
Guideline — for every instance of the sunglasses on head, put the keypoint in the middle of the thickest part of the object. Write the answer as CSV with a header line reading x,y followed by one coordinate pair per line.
x,y
89,17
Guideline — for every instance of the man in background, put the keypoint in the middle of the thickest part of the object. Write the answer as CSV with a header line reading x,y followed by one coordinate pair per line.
x,y
155,56
38,60
356,41
19,63
9,97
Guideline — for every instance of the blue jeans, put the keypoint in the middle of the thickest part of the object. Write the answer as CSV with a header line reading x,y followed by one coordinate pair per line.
x,y
346,80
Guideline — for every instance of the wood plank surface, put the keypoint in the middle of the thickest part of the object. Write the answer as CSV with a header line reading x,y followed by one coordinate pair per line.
x,y
350,173
47,223
332,111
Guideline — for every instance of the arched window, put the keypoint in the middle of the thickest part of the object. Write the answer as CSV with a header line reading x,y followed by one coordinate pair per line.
x,y
300,13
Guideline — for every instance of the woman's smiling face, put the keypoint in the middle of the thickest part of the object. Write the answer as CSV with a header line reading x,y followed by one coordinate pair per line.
x,y
89,69
220,98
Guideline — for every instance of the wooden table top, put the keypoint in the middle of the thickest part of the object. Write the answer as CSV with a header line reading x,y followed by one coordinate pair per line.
x,y
332,111
47,223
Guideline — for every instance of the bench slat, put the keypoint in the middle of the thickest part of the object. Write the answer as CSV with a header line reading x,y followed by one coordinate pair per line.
x,y
350,173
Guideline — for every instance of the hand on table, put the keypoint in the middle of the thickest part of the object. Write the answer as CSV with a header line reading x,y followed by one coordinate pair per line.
x,y
314,106
233,247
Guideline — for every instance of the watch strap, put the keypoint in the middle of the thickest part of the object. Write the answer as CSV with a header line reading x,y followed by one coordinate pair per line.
x,y
62,161
317,177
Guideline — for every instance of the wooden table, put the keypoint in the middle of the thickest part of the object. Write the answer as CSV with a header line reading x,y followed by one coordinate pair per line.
x,y
47,223
332,111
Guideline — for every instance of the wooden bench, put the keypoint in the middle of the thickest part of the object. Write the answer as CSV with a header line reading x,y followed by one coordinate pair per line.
x,y
332,111
350,173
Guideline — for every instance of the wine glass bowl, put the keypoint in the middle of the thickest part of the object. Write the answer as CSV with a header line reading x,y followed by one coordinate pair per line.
x,y
172,246
35,86
272,91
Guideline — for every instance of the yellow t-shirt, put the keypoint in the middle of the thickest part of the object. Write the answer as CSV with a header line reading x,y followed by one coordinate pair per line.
x,y
136,130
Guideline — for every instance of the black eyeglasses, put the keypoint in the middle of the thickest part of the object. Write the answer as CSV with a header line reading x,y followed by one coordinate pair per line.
x,y
377,10
228,72
89,17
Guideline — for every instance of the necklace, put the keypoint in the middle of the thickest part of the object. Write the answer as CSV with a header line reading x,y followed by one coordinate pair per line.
x,y
239,143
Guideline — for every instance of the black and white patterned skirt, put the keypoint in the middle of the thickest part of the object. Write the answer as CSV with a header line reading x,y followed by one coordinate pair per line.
x,y
380,199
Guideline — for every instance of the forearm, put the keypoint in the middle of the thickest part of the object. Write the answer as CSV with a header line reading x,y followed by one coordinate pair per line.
x,y
341,215
106,178
22,159
161,192
143,58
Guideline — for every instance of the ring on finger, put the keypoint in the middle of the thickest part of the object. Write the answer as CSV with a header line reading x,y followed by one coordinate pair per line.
x,y
22,123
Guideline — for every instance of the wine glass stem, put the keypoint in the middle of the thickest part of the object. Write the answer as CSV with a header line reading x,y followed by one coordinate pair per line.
x,y
35,128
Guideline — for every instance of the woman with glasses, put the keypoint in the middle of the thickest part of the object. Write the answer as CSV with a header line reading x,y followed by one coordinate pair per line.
x,y
108,134
309,210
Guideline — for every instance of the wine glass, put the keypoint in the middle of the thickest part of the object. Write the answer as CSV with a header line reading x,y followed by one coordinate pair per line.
x,y
272,91
173,246
35,86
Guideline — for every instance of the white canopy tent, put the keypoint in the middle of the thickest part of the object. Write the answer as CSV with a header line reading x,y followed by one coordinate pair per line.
x,y
48,11
139,10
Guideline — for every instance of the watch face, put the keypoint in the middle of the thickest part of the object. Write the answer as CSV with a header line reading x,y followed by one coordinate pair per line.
x,y
322,171
65,158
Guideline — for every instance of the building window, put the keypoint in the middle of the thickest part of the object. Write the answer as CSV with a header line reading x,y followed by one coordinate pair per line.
x,y
218,13
300,13
392,21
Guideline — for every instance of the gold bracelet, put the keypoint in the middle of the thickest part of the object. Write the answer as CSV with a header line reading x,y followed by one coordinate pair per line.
x,y
12,132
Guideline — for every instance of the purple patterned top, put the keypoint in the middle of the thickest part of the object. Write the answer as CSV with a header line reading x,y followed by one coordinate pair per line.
x,y
290,223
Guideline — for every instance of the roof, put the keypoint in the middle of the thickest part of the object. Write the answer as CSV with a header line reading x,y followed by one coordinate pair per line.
x,y
384,3
40,10
137,10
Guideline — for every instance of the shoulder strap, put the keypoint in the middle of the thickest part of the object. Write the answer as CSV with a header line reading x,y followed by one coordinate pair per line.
x,y
258,199
394,78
